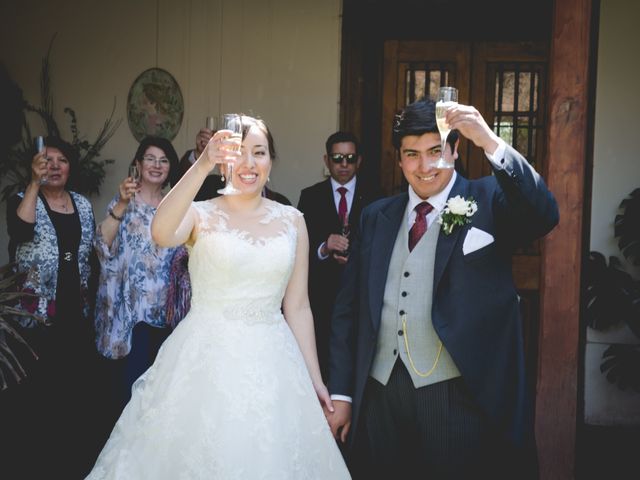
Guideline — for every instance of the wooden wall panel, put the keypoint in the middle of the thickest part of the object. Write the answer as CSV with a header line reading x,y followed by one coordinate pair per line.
x,y
556,398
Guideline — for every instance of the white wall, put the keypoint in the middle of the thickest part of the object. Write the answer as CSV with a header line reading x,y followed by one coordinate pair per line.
x,y
616,173
277,59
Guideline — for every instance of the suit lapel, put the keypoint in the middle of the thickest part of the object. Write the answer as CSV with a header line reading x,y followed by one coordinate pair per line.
x,y
328,196
446,243
329,207
388,223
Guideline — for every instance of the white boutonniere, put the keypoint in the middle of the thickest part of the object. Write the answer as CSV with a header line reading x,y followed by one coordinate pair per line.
x,y
457,212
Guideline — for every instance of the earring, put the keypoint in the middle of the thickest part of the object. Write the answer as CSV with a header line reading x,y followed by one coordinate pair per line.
x,y
222,177
268,179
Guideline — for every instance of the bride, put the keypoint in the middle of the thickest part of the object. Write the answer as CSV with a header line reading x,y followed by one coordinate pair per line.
x,y
235,391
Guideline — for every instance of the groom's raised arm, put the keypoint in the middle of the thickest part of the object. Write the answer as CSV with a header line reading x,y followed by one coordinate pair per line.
x,y
525,208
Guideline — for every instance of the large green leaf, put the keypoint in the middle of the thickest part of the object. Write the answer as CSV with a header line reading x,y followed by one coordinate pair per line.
x,y
622,366
627,227
612,295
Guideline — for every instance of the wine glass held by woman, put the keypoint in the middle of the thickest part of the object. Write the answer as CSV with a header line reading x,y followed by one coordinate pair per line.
x,y
231,124
130,317
51,231
244,356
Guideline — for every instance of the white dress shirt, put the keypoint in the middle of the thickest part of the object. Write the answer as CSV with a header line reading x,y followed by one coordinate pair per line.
x,y
351,188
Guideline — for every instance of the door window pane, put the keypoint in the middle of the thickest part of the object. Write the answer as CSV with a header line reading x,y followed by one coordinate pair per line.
x,y
517,116
424,79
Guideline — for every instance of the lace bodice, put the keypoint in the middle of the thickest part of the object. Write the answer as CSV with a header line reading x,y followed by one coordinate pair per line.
x,y
242,266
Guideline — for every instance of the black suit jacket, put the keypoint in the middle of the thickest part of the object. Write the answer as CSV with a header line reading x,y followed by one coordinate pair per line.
x,y
475,305
321,216
212,183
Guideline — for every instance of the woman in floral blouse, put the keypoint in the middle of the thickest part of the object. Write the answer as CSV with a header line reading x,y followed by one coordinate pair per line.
x,y
130,316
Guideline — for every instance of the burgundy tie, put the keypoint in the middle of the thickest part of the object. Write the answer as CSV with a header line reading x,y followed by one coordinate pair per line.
x,y
420,225
342,206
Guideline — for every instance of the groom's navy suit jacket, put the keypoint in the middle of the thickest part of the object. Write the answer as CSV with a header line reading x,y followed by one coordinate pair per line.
x,y
475,305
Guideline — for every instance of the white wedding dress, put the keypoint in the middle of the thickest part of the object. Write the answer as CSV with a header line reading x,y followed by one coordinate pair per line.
x,y
229,395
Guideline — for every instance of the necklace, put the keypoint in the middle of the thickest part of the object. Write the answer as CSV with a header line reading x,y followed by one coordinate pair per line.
x,y
59,206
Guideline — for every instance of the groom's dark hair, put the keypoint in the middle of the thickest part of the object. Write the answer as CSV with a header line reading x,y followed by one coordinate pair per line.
x,y
418,118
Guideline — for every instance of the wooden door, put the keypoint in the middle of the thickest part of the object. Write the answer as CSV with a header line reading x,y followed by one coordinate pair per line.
x,y
412,70
506,82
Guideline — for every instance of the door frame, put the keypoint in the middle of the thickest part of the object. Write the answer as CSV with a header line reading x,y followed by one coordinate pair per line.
x,y
569,134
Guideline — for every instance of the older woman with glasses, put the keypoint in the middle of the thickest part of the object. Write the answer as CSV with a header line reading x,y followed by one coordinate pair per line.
x,y
130,316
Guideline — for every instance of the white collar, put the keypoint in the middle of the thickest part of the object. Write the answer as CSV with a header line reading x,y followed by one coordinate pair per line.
x,y
350,185
437,201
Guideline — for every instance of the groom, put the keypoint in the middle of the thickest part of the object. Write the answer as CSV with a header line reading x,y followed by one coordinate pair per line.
x,y
426,351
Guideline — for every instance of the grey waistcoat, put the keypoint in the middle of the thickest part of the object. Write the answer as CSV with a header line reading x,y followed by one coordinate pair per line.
x,y
413,295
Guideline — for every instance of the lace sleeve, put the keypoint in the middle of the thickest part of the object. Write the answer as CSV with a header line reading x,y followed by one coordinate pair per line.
x,y
198,209
208,218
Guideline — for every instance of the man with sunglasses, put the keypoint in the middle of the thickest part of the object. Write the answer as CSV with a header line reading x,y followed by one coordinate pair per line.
x,y
331,208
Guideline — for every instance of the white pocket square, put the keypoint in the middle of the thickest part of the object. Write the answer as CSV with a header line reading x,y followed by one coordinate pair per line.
x,y
475,240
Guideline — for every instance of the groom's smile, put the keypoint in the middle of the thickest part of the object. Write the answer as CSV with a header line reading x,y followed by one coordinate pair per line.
x,y
417,154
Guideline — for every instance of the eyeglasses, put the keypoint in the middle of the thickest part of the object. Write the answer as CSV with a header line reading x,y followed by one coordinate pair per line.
x,y
351,158
156,162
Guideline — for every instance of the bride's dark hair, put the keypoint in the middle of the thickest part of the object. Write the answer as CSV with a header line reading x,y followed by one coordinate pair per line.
x,y
248,122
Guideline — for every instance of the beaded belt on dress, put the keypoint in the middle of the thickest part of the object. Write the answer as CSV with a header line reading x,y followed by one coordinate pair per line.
x,y
253,314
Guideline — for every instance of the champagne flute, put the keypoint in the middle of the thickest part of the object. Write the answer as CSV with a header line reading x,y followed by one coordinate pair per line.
x,y
232,122
41,149
447,98
345,231
134,174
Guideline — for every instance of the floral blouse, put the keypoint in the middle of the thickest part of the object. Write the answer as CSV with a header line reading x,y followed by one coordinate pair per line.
x,y
35,249
134,277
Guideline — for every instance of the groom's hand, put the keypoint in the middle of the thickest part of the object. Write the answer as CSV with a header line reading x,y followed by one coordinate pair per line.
x,y
340,420
468,121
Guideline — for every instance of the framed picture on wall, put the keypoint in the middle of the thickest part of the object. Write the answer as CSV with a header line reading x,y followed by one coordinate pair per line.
x,y
155,105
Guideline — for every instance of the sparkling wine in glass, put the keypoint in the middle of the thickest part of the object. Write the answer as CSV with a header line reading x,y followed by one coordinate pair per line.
x,y
40,148
345,231
447,98
134,173
233,123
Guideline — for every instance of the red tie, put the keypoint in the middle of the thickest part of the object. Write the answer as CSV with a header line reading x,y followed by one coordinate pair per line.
x,y
342,206
420,225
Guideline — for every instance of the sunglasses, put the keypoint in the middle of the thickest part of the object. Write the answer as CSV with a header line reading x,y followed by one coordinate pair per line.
x,y
351,158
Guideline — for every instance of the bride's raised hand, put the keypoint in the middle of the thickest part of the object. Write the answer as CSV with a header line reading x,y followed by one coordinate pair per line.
x,y
221,149
324,397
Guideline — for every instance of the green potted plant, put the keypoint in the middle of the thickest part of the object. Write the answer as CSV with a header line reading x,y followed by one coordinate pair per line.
x,y
15,164
613,297
10,297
